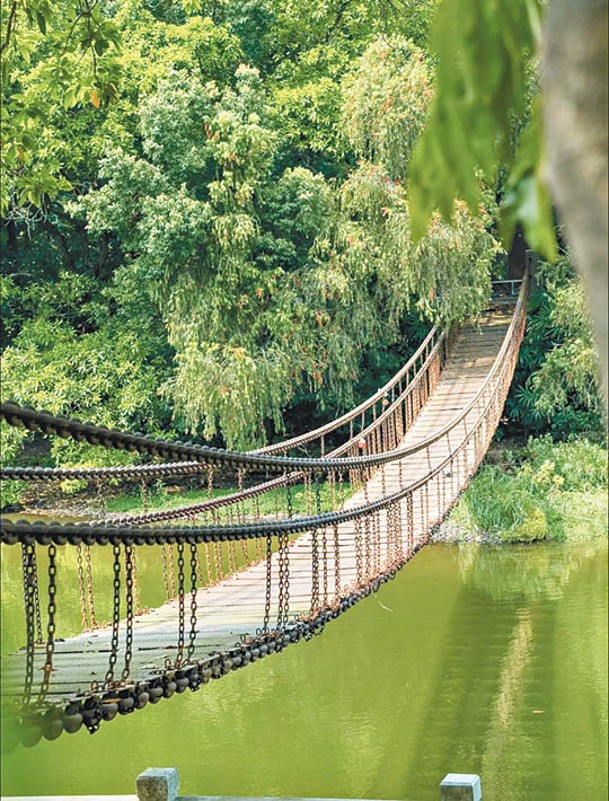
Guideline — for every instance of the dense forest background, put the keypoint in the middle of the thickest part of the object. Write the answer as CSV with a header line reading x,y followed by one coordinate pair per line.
x,y
206,228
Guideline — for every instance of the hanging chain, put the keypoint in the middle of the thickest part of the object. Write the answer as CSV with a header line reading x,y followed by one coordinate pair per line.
x,y
199,567
268,584
181,609
90,598
208,563
144,494
284,580
27,552
232,558
36,599
307,493
367,549
193,601
314,609
116,613
358,551
81,588
165,571
218,561
210,481
324,557
172,570
337,586
129,619
50,641
136,585
101,499
376,544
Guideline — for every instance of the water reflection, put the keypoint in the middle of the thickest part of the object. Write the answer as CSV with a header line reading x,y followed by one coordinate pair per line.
x,y
485,660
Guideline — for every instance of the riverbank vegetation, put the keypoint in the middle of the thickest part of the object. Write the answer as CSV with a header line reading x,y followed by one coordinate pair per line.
x,y
544,490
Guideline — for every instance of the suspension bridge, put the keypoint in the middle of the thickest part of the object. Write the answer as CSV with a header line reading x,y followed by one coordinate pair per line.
x,y
247,573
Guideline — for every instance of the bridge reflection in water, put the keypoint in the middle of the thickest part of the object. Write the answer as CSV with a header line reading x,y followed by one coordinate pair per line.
x,y
242,580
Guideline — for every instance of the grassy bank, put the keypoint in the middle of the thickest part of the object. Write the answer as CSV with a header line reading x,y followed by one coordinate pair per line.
x,y
543,491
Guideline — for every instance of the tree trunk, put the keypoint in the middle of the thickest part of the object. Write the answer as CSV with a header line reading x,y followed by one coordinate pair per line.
x,y
574,75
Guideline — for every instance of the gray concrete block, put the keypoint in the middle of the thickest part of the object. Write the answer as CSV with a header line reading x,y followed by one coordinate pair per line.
x,y
157,784
461,787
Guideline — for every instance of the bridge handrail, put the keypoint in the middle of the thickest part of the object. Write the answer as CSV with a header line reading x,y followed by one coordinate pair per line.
x,y
363,407
294,477
191,468
65,427
286,479
112,438
90,533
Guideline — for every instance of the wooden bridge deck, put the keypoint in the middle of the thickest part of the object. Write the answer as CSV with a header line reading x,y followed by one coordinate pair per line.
x,y
235,606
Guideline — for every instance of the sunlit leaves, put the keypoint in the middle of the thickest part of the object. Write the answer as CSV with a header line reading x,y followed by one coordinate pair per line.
x,y
55,55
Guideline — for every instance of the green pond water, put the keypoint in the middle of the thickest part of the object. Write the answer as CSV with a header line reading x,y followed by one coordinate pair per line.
x,y
475,659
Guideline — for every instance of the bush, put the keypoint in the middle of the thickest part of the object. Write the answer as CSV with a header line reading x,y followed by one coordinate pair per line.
x,y
538,495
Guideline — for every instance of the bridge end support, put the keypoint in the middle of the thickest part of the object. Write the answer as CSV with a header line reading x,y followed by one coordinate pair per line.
x,y
461,787
157,784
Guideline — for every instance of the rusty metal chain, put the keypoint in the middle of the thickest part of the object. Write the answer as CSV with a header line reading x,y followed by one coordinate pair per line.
x,y
27,556
337,584
324,560
81,587
181,606
90,597
129,550
268,584
192,635
50,638
165,571
283,604
116,614
358,552
314,608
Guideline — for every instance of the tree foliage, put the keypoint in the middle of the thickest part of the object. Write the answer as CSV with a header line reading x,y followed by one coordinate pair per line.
x,y
208,211
556,385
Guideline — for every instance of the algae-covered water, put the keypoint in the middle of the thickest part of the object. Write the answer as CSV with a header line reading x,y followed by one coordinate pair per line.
x,y
475,659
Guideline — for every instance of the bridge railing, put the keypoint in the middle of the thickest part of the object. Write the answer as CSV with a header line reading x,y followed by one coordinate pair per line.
x,y
372,429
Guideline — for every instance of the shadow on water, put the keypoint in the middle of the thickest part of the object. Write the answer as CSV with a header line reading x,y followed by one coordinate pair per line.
x,y
491,660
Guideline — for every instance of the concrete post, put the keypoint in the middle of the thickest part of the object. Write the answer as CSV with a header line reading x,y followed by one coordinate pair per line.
x,y
460,787
157,784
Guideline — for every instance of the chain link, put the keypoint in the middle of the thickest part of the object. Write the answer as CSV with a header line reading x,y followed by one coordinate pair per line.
x,y
181,606
50,640
129,554
268,584
337,584
81,588
283,604
116,614
27,555
193,602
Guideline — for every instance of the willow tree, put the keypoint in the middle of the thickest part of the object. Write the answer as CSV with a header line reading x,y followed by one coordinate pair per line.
x,y
444,276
